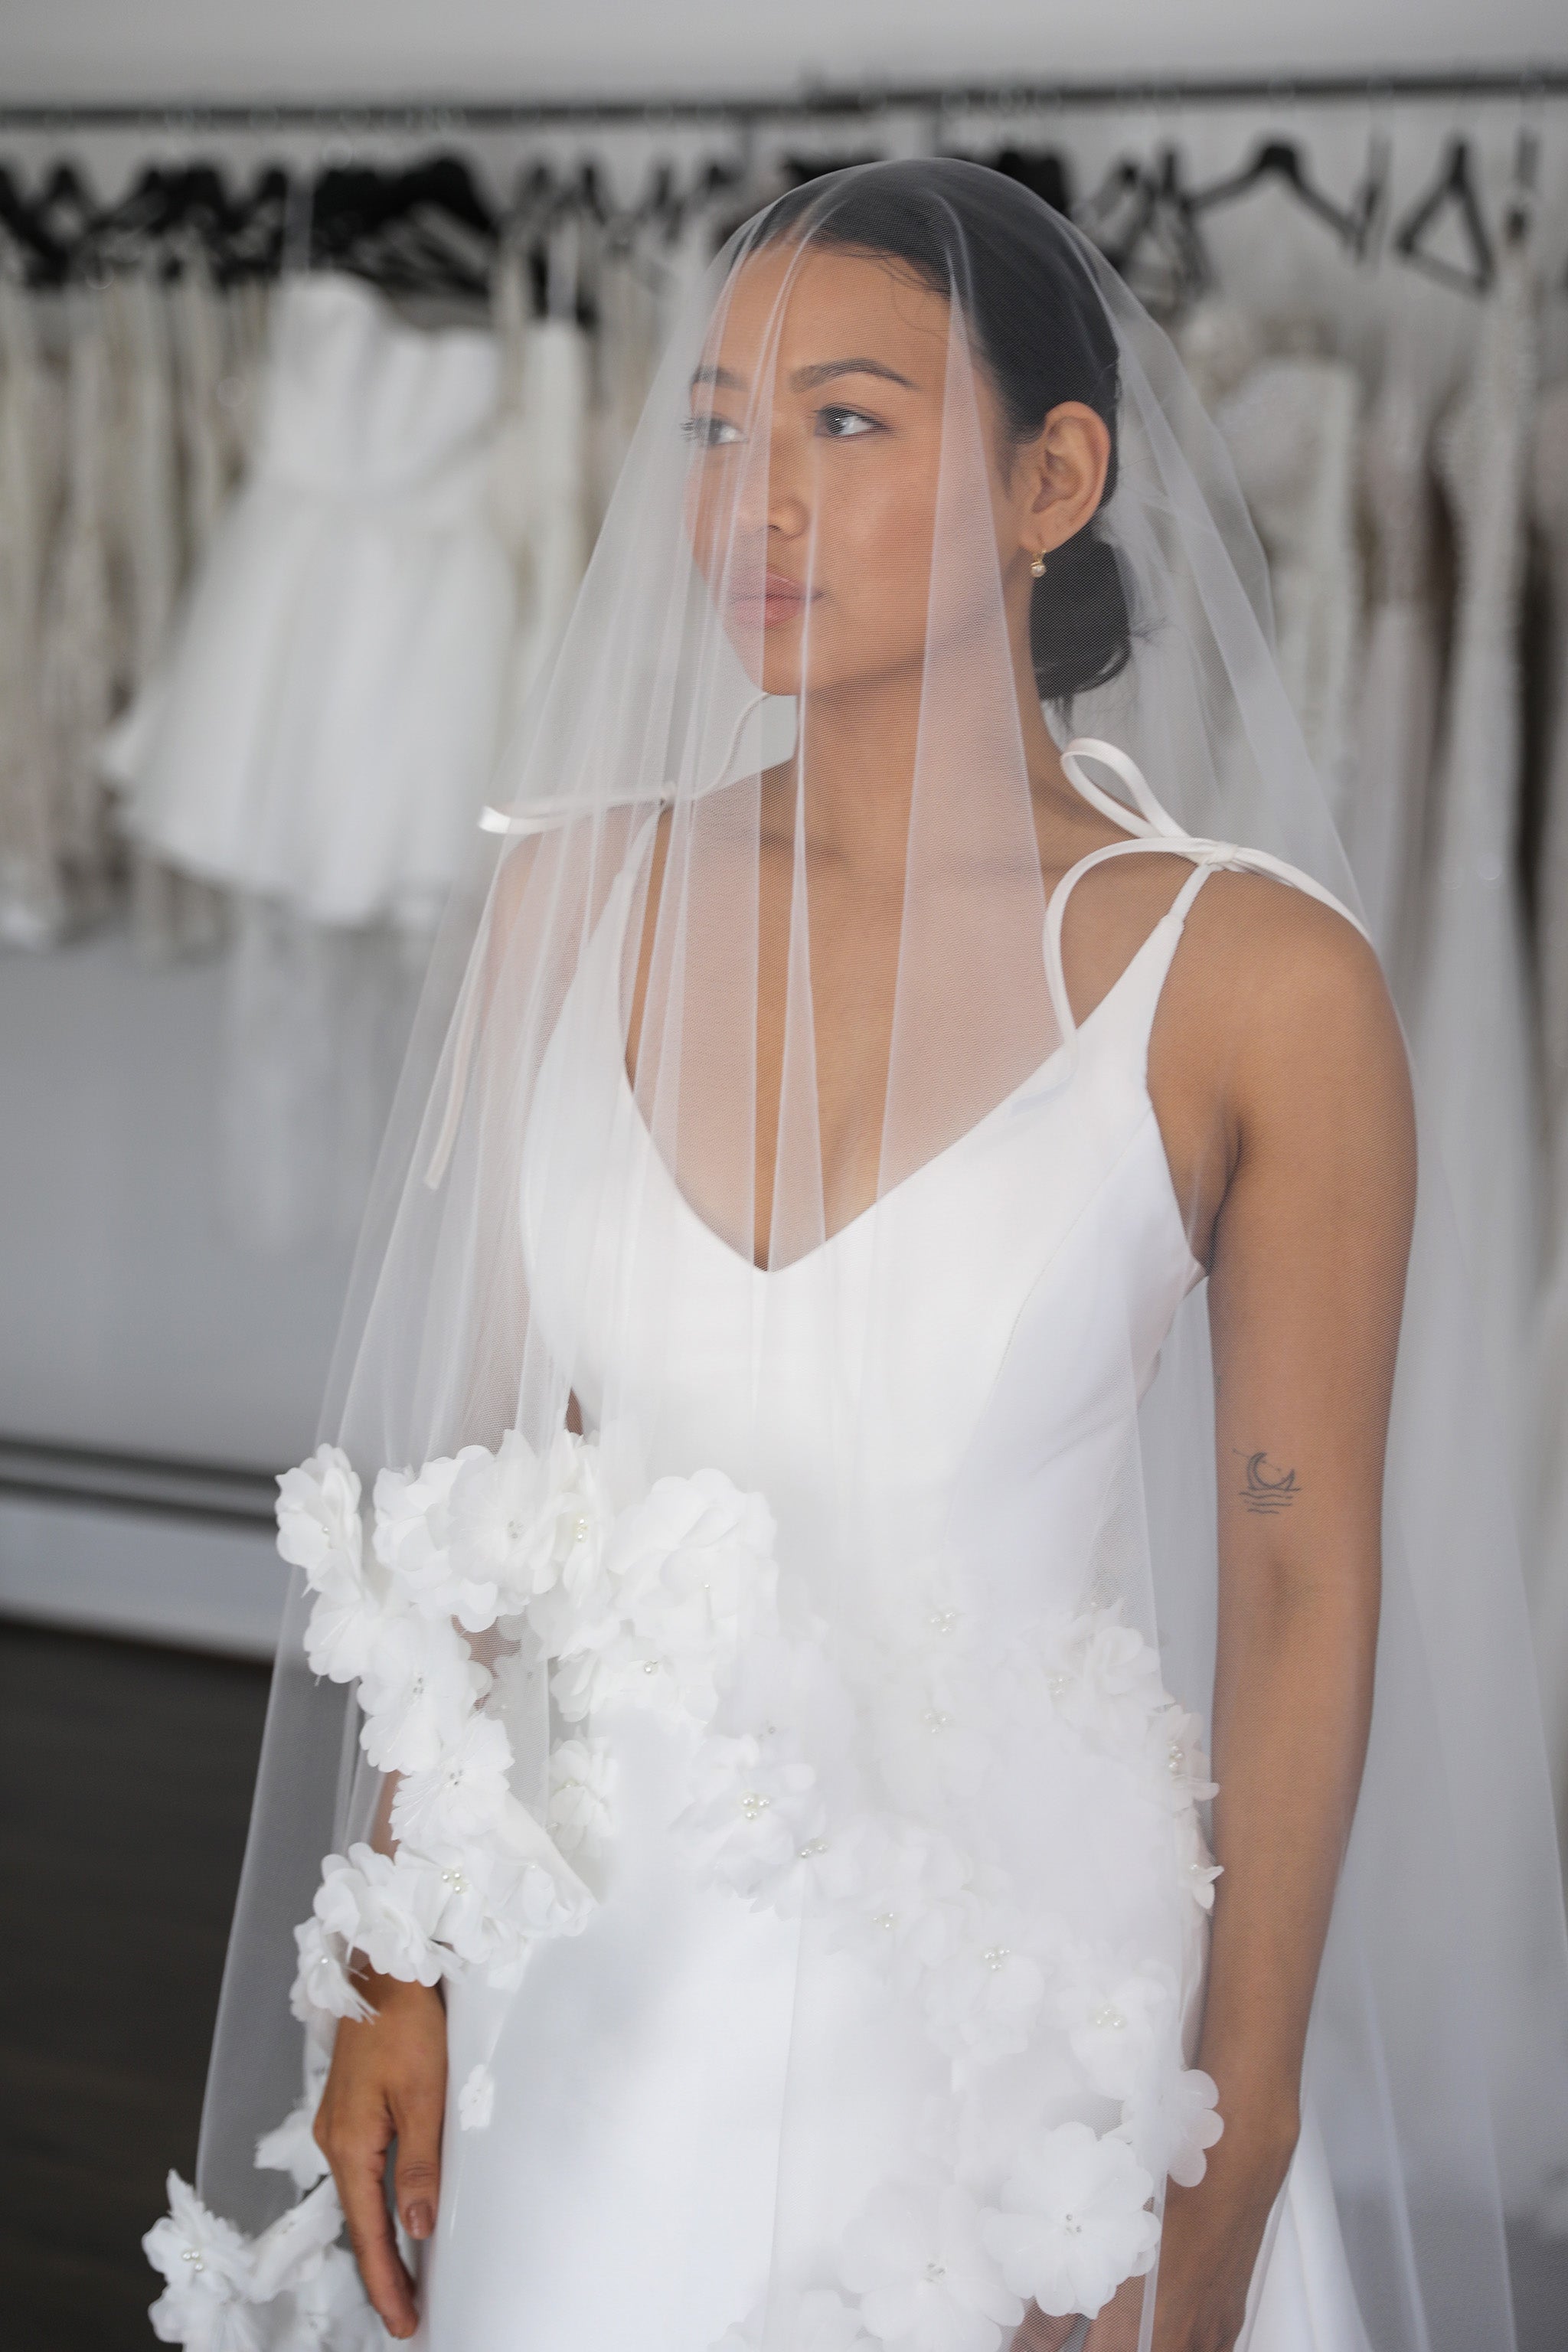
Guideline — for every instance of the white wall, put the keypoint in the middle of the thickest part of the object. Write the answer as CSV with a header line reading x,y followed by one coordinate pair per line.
x,y
156,48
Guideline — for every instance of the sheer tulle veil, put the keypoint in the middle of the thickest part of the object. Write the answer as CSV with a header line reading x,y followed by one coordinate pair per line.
x,y
1437,2061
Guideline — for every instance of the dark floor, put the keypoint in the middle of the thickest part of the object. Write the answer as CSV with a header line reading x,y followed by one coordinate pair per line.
x,y
125,1781
125,1778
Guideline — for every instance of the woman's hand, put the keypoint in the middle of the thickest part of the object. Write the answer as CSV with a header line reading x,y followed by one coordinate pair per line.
x,y
388,2081
1208,2251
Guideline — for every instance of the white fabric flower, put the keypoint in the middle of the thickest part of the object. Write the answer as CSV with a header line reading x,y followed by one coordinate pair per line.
x,y
290,2251
519,1524
417,1691
823,2322
330,2312
1172,2123
916,2257
412,1535
982,2003
344,1625
385,1909
786,1680
462,1796
318,1526
1122,2026
756,1812
695,1579
207,2263
930,1734
291,2146
1178,1765
477,2099
1103,1676
912,1910
582,1776
1074,2221
322,1987
818,2321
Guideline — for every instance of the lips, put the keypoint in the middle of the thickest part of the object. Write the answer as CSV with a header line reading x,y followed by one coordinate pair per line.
x,y
772,600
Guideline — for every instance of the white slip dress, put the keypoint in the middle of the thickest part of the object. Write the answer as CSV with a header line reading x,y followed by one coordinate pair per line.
x,y
323,730
1472,1026
622,2184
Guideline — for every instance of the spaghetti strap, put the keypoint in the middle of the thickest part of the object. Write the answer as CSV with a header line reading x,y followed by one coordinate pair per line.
x,y
1151,826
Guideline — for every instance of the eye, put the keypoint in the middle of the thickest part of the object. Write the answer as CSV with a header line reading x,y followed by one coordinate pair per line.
x,y
838,423
707,431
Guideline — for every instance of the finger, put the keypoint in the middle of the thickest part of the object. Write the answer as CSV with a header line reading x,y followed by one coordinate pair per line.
x,y
1118,2327
361,2191
419,2117
1041,2333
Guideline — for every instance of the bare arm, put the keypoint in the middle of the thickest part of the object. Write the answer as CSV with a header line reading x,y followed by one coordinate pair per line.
x,y
1306,1290
1292,1143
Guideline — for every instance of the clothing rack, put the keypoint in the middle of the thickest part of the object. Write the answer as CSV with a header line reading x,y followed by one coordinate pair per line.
x,y
815,100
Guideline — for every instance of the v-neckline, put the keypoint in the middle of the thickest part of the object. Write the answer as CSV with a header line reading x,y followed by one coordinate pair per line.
x,y
938,1159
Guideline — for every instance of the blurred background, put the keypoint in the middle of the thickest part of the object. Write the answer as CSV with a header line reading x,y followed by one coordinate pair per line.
x,y
322,330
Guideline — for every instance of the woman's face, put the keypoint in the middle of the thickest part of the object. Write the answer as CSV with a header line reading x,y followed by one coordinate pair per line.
x,y
816,424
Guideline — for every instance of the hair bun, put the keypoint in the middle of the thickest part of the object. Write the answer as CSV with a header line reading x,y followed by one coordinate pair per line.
x,y
1080,632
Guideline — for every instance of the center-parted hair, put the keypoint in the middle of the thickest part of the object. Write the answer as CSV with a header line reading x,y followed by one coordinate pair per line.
x,y
1039,331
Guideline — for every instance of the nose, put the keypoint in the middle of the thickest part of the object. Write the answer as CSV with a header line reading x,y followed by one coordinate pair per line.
x,y
788,484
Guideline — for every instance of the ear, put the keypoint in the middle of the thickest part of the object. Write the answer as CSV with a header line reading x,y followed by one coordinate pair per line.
x,y
1064,470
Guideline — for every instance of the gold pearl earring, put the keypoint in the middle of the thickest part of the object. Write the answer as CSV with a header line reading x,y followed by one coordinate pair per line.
x,y
1038,566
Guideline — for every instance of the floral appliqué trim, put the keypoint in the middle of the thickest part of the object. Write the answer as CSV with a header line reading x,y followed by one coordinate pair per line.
x,y
650,1604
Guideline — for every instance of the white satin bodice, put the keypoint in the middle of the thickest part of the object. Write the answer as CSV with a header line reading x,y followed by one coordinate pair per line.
x,y
1018,1228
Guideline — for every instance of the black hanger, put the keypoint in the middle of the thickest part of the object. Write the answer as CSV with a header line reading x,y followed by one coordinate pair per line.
x,y
1279,161
803,168
1042,169
1158,248
1453,192
431,232
44,256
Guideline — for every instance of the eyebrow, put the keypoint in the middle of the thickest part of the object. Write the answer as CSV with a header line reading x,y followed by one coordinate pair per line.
x,y
804,379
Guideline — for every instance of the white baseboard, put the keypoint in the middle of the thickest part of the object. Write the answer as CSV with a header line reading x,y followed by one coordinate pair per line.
x,y
197,1584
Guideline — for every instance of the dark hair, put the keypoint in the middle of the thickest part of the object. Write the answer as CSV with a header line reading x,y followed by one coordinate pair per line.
x,y
1041,332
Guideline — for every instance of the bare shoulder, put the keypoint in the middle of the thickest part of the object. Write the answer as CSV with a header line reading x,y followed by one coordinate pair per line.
x,y
1276,973
1277,1053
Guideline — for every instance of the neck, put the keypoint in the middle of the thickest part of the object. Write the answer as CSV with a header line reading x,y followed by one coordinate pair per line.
x,y
861,743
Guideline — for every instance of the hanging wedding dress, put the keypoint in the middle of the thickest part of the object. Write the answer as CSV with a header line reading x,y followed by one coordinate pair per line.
x,y
32,900
1291,428
167,486
1548,511
542,483
754,1646
1472,1026
322,727
1401,687
81,655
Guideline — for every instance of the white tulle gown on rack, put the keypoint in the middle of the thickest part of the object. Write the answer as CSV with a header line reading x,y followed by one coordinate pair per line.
x,y
324,726
624,2186
1472,1028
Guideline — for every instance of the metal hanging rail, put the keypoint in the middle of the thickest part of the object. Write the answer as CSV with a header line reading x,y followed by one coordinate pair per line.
x,y
814,102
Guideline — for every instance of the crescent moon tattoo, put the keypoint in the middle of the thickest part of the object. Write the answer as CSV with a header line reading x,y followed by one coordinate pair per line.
x,y
1265,1491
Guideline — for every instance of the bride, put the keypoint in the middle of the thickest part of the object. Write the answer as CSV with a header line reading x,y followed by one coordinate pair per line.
x,y
777,1898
